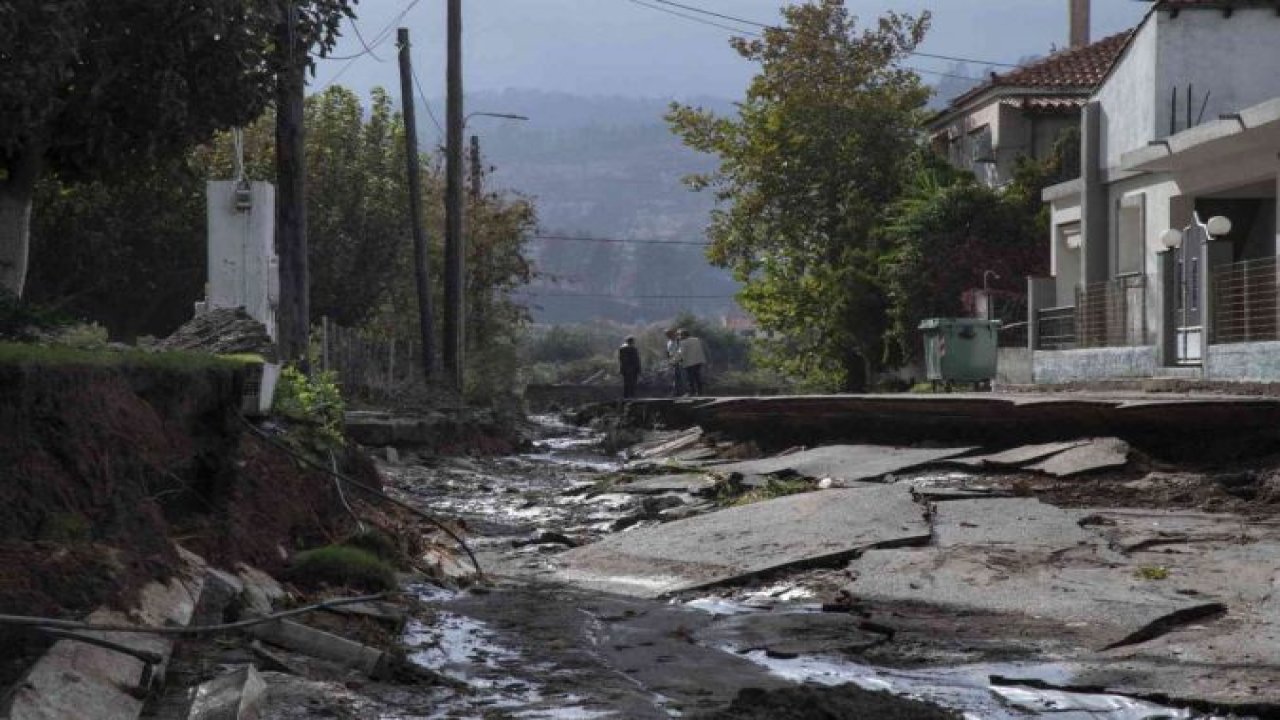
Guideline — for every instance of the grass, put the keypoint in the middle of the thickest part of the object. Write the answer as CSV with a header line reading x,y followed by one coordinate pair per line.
x,y
1152,572
32,355
342,566
773,488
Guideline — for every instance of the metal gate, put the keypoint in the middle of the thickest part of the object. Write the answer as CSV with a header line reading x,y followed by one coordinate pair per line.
x,y
1190,290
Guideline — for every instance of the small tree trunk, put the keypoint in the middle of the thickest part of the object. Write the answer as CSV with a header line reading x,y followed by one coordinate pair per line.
x,y
15,223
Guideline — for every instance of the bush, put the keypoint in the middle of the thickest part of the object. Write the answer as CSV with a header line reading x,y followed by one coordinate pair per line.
x,y
316,403
342,566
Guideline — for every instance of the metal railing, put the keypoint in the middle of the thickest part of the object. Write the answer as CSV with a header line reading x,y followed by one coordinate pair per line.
x,y
1056,328
1110,313
1245,298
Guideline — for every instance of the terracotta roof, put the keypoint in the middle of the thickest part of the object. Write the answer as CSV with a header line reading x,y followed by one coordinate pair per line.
x,y
1045,104
1180,4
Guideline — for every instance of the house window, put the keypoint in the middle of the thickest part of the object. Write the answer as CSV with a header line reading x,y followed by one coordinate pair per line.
x,y
981,146
1131,233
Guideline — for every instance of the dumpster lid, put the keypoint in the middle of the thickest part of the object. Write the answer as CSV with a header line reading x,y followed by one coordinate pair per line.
x,y
941,322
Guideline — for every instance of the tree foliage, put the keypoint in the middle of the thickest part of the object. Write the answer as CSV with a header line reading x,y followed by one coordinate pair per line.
x,y
816,150
91,90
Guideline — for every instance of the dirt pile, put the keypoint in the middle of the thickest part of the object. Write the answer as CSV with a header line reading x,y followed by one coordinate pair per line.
x,y
102,467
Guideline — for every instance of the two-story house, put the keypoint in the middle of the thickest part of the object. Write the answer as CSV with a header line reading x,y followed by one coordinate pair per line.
x,y
1022,112
1164,250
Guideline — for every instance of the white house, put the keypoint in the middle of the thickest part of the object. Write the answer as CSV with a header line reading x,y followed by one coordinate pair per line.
x,y
1023,111
1184,128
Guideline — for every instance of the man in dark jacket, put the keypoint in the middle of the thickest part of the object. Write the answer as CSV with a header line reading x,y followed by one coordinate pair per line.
x,y
629,366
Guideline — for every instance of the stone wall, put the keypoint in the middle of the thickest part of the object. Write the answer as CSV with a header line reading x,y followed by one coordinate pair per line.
x,y
1013,366
1250,362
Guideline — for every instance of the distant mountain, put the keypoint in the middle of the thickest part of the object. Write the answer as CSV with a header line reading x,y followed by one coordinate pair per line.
x,y
607,168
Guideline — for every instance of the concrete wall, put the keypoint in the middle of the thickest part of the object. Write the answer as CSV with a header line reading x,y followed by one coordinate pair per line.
x,y
243,271
1128,99
1253,362
1064,262
1064,366
1159,192
1013,366
1234,57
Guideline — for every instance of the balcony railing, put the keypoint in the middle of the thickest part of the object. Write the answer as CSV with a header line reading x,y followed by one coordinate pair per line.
x,y
1245,301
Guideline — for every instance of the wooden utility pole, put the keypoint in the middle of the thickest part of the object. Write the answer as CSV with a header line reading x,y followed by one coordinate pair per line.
x,y
293,314
453,240
420,256
478,303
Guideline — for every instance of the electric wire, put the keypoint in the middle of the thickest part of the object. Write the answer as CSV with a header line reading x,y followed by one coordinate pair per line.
x,y
369,489
765,26
426,105
695,18
629,241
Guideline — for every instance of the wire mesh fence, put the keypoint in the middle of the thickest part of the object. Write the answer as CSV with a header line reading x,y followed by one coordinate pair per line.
x,y
370,366
1110,313
1245,301
1057,328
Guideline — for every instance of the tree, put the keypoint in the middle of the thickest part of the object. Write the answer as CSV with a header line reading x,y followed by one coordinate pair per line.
x,y
947,230
90,90
816,150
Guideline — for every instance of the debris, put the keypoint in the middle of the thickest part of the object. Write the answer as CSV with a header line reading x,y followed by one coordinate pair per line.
x,y
234,696
1099,454
687,483
1019,456
222,331
740,542
844,463
320,644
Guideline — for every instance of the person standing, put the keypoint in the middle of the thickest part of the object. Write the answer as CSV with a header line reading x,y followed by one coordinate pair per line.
x,y
629,366
694,357
675,360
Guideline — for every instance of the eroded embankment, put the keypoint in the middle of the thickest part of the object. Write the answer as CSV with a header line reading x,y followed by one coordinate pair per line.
x,y
104,464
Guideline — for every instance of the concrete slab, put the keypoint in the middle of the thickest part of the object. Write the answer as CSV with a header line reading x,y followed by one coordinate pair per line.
x,y
1099,454
844,462
667,447
688,483
1019,456
1017,522
320,644
1108,602
740,542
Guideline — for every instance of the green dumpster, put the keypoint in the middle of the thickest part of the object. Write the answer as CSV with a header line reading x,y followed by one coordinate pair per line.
x,y
960,349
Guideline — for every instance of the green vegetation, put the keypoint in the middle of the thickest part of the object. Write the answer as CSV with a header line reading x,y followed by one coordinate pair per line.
x,y
732,495
315,406
1152,572
28,354
818,147
342,566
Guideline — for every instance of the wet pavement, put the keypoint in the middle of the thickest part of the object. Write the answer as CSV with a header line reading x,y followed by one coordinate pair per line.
x,y
538,643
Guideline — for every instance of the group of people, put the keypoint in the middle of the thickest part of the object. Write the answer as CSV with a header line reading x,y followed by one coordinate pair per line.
x,y
686,357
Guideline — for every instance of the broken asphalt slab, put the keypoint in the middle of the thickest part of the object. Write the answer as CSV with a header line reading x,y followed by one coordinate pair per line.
x,y
1098,454
740,542
1017,522
688,483
1019,456
844,463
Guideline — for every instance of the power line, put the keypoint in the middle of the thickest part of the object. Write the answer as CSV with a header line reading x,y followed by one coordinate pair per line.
x,y
360,37
423,97
378,39
753,23
695,18
631,241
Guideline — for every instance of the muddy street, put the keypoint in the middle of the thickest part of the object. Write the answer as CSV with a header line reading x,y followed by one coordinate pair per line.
x,y
667,581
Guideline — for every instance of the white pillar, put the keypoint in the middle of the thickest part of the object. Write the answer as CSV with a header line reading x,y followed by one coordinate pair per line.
x,y
243,271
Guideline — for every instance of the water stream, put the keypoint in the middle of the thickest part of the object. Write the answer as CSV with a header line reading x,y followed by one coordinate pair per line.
x,y
512,497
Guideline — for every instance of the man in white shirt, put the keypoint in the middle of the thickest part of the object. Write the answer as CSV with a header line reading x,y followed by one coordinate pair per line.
x,y
694,357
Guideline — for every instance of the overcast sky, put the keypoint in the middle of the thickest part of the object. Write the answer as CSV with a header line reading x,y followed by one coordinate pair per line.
x,y
619,47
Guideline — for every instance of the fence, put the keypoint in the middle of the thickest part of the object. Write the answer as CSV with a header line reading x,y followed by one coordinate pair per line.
x,y
1110,313
367,366
1056,328
1245,301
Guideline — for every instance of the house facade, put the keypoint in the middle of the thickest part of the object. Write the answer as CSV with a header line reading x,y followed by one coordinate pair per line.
x,y
1163,252
1022,112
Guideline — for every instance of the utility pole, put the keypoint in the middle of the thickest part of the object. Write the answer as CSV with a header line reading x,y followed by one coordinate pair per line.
x,y
476,171
294,312
453,240
478,303
420,257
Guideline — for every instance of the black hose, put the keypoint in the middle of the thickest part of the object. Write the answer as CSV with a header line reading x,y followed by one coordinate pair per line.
x,y
43,622
368,489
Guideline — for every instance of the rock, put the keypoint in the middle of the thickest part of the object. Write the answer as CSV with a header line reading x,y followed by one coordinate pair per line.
x,y
222,331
